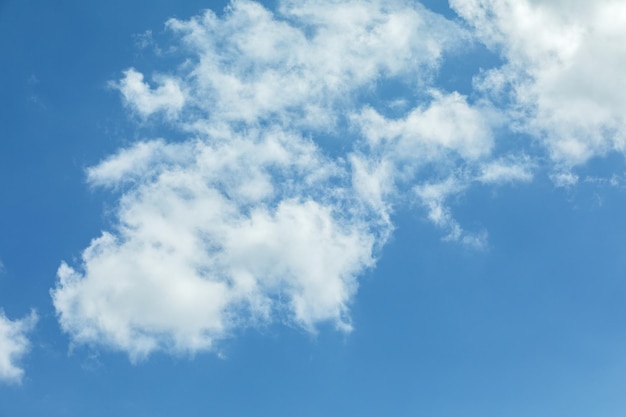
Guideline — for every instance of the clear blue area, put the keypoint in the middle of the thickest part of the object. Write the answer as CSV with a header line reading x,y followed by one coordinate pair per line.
x,y
533,326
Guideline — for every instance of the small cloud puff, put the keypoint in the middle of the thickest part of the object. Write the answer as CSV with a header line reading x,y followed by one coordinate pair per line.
x,y
14,345
168,97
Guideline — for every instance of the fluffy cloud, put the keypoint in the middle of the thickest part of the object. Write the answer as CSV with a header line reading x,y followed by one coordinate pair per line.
x,y
213,236
563,73
250,220
13,346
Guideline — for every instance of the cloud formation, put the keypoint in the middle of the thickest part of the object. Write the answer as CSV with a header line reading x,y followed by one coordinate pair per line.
x,y
562,79
213,235
306,127
14,345
250,221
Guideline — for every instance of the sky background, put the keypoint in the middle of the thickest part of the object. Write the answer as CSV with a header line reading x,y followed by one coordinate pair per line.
x,y
469,224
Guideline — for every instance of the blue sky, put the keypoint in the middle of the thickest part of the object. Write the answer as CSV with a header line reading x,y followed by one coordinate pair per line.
x,y
312,208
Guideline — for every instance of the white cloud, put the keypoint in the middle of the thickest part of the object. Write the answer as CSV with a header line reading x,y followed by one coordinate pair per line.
x,y
446,137
564,179
13,346
214,237
563,70
245,225
373,182
135,163
447,124
168,97
506,170
433,196
295,66
248,221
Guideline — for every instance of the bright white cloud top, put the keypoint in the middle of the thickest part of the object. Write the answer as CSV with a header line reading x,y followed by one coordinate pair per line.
x,y
251,220
562,73
14,345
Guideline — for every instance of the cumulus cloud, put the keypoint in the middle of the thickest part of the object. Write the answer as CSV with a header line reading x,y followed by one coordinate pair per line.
x,y
562,77
214,236
14,345
250,220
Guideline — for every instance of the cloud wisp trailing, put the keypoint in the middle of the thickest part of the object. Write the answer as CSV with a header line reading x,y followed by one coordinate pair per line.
x,y
283,193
